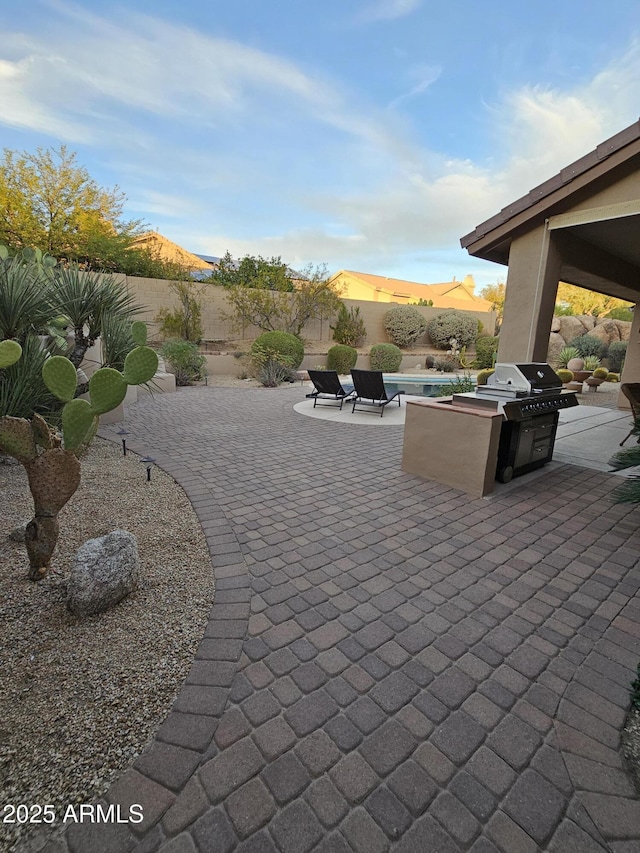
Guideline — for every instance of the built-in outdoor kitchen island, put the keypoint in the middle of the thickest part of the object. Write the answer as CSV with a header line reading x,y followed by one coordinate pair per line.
x,y
501,430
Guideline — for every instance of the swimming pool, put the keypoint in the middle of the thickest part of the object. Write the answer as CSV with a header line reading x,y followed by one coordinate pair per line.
x,y
418,386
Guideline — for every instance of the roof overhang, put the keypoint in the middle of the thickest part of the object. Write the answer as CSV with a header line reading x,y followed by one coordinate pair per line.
x,y
600,244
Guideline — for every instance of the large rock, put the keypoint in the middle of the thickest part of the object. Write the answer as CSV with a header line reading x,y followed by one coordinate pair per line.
x,y
624,328
606,331
556,344
570,328
105,571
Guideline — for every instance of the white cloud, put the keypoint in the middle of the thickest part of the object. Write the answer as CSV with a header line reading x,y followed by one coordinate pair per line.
x,y
423,76
187,119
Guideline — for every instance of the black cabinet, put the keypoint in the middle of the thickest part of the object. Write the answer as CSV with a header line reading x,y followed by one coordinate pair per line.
x,y
526,444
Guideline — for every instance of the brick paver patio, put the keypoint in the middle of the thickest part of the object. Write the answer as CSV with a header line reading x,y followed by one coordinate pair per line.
x,y
388,664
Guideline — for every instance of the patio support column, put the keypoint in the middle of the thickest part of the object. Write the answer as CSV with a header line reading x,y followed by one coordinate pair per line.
x,y
631,366
532,284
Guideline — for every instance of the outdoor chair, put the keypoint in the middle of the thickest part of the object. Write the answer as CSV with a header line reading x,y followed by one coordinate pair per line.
x,y
370,390
328,387
631,391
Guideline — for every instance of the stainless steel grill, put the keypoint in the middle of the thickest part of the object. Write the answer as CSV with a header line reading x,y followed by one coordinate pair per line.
x,y
529,397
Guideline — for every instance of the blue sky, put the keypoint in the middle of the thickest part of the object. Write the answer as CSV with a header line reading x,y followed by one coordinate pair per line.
x,y
364,134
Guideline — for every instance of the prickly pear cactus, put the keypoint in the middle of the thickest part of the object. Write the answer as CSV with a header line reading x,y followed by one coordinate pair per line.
x,y
51,461
10,352
107,389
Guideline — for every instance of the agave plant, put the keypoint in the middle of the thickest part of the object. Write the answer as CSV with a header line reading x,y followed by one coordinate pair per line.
x,y
566,354
591,362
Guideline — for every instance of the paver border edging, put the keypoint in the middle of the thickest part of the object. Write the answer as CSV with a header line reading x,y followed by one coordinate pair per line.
x,y
158,777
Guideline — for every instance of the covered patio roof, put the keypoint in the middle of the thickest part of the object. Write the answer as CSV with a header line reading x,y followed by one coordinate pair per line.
x,y
593,209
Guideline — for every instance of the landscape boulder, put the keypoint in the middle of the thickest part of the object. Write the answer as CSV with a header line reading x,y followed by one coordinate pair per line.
x,y
105,571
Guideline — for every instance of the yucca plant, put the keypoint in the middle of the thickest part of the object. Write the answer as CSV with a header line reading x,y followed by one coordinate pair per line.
x,y
25,297
117,341
85,299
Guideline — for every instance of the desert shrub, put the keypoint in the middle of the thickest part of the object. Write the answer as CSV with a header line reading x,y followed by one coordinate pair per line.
x,y
565,375
620,314
185,321
404,324
429,361
349,328
271,367
445,364
600,373
566,354
387,357
616,356
589,345
341,358
283,344
459,385
483,375
185,359
486,349
452,324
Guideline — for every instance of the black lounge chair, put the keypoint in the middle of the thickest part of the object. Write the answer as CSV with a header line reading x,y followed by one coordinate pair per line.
x,y
328,387
370,390
631,391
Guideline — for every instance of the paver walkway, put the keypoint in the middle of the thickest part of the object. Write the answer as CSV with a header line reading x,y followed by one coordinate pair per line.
x,y
389,664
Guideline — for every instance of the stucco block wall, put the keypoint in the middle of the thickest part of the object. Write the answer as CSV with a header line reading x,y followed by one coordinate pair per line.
x,y
155,294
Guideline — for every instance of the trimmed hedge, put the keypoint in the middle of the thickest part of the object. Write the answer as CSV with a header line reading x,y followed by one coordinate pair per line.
x,y
341,358
387,357
282,343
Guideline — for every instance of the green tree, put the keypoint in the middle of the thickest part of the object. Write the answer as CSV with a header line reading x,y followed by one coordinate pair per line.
x,y
582,301
47,199
279,309
495,294
253,272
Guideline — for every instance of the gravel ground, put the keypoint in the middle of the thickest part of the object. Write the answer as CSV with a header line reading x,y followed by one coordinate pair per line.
x,y
80,699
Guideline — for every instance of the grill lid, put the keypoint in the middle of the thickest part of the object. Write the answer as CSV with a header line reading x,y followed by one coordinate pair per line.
x,y
523,379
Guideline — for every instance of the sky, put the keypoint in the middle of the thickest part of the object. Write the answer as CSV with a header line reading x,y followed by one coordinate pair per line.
x,y
362,134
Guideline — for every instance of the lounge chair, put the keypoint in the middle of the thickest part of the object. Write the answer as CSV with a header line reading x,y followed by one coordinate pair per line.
x,y
328,387
631,391
370,390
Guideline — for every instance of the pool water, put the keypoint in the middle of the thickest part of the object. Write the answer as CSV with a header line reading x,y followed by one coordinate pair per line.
x,y
418,386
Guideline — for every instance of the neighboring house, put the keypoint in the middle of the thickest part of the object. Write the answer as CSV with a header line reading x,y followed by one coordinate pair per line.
x,y
378,288
166,250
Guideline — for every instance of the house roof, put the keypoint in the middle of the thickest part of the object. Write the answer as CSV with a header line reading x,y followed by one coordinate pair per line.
x,y
413,289
170,251
491,239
